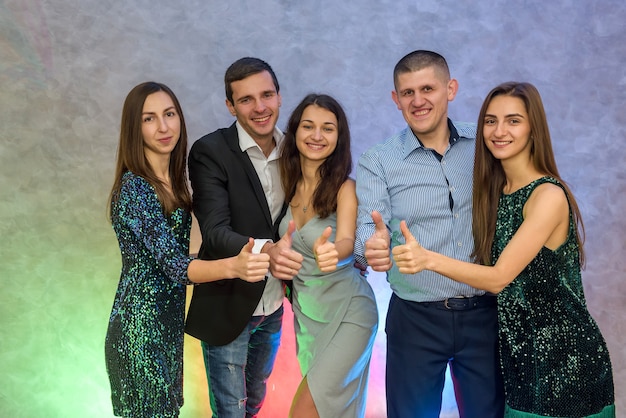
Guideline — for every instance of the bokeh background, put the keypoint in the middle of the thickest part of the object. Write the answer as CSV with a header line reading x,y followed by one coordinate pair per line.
x,y
67,65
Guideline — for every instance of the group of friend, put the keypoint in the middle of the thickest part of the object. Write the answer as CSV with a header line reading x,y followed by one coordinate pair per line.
x,y
480,239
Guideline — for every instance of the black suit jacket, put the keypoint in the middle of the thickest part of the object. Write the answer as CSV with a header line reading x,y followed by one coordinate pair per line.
x,y
230,205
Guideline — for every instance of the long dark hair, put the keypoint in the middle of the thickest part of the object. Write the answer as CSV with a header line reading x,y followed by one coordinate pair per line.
x,y
131,156
489,177
333,172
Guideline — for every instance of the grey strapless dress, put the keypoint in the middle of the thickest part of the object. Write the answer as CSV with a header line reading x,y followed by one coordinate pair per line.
x,y
336,320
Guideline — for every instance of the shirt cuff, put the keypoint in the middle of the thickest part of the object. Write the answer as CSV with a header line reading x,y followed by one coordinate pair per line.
x,y
258,245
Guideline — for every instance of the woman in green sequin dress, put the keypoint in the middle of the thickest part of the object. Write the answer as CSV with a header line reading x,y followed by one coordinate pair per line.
x,y
527,234
150,212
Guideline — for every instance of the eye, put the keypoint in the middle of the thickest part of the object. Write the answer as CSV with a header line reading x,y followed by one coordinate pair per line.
x,y
406,93
269,95
489,122
170,114
329,129
306,126
245,100
514,121
148,119
427,89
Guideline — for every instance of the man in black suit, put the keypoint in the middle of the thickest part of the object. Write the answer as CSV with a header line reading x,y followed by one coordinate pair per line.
x,y
237,194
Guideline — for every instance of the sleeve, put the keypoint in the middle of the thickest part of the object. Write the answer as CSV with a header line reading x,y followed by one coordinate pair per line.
x,y
139,209
372,193
209,181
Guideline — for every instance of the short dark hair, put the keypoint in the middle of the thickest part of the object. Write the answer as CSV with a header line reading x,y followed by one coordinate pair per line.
x,y
418,60
245,67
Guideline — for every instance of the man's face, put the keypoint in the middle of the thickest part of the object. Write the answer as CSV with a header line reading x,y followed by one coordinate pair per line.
x,y
256,105
423,98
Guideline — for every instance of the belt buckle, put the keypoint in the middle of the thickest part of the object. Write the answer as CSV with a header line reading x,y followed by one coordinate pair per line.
x,y
451,308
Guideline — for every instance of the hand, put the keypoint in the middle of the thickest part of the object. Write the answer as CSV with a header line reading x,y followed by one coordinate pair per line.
x,y
251,267
411,256
284,262
325,252
377,246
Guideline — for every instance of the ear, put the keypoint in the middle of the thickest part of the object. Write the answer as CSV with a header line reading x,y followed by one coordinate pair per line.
x,y
394,97
280,99
231,108
453,88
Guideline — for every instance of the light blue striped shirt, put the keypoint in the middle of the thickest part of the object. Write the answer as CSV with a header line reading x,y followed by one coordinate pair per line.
x,y
403,180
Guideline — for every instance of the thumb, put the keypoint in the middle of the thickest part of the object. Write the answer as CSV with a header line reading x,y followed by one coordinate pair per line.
x,y
408,237
291,228
325,235
378,220
248,247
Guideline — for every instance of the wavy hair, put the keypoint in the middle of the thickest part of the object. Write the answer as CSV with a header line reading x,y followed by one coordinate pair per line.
x,y
333,172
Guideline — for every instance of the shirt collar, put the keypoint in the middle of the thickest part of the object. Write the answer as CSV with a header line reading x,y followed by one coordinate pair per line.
x,y
413,142
246,142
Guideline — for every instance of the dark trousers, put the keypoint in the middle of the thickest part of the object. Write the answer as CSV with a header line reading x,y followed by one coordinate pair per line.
x,y
423,338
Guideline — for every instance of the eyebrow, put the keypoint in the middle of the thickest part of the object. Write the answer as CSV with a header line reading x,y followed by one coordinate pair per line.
x,y
323,123
511,115
154,113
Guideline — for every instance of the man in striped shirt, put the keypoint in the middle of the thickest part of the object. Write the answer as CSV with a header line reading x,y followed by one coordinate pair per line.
x,y
423,175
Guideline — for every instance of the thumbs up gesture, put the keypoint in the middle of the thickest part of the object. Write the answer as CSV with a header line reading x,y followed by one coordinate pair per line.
x,y
377,246
411,256
284,261
326,253
251,267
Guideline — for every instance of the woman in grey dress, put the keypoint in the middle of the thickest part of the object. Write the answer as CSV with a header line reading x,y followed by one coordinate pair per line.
x,y
335,309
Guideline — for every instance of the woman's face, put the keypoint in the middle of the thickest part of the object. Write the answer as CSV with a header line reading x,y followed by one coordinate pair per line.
x,y
506,128
317,133
160,124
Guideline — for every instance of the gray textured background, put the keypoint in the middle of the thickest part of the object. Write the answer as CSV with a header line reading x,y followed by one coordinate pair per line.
x,y
66,66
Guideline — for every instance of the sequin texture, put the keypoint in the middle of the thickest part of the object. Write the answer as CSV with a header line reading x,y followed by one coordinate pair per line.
x,y
144,341
554,358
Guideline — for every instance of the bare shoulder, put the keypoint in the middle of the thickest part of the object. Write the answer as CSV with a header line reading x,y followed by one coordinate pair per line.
x,y
348,186
548,198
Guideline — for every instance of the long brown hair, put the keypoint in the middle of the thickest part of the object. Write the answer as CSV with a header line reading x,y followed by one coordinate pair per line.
x,y
131,156
489,177
333,172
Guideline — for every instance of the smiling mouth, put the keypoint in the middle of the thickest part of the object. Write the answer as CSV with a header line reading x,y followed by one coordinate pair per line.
x,y
421,112
261,120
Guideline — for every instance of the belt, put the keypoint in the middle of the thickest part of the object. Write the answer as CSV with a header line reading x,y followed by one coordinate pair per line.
x,y
463,303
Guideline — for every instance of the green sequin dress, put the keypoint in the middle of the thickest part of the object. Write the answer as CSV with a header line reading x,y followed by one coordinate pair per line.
x,y
554,359
144,341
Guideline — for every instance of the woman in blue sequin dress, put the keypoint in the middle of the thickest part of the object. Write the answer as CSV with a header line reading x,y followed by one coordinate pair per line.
x,y
528,237
150,212
335,311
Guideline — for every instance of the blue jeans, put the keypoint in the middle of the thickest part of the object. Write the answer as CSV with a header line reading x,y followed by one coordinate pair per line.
x,y
237,372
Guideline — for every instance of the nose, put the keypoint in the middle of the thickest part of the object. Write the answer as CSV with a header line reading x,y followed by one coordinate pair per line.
x,y
500,130
317,134
418,100
163,127
259,106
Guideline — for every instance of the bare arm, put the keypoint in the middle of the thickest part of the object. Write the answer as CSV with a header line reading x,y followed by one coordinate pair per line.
x,y
546,223
329,253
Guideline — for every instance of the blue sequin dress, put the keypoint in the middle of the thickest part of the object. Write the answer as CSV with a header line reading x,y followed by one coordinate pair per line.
x,y
144,341
554,359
